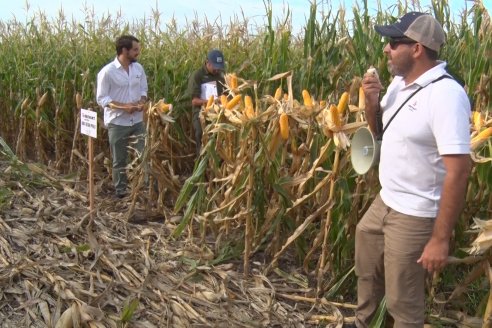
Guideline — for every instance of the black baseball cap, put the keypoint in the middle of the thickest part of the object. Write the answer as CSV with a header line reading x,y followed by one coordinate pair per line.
x,y
216,59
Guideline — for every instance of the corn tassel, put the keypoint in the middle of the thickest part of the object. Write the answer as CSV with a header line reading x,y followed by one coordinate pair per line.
x,y
278,93
235,101
342,103
308,102
362,99
284,126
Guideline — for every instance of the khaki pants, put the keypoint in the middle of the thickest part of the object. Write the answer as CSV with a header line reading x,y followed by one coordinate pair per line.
x,y
387,247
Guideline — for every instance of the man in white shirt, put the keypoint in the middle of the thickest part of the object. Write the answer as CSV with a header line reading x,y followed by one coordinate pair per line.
x,y
122,92
423,171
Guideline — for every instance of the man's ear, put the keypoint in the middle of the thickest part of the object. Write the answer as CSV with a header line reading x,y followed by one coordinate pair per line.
x,y
419,50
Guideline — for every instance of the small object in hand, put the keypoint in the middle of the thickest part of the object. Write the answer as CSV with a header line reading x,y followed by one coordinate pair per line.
x,y
372,70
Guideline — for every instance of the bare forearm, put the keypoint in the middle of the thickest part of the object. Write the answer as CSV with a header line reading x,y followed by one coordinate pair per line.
x,y
373,117
451,205
197,102
436,251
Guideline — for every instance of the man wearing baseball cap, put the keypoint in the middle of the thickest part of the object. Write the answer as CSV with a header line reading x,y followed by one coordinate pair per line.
x,y
423,171
206,81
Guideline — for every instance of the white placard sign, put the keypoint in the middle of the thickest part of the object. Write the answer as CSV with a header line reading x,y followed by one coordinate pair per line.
x,y
208,89
88,122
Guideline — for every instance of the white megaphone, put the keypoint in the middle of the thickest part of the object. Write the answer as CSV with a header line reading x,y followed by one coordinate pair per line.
x,y
364,150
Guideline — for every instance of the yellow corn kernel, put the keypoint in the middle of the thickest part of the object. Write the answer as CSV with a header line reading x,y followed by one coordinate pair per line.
x,y
308,102
223,100
322,103
278,93
362,99
342,103
233,81
477,120
210,101
231,104
482,135
284,126
334,115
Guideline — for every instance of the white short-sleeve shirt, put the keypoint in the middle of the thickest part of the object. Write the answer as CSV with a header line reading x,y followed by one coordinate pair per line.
x,y
434,122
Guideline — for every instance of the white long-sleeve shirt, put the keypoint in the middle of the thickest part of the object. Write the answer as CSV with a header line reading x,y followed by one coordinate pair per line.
x,y
114,83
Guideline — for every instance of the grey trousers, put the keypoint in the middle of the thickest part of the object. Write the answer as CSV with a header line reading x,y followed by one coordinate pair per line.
x,y
387,247
197,127
119,137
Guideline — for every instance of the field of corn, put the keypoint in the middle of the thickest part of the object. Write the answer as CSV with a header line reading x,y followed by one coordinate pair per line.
x,y
257,231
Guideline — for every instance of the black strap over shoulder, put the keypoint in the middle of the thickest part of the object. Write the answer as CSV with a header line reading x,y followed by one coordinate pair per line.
x,y
409,97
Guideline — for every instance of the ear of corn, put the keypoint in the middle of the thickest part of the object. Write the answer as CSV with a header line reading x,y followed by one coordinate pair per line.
x,y
362,99
342,103
248,107
278,93
477,120
210,101
335,118
163,107
78,100
308,102
233,82
223,101
482,136
284,126
234,102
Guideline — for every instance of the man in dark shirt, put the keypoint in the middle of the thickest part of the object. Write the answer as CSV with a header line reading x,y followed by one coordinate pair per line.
x,y
204,82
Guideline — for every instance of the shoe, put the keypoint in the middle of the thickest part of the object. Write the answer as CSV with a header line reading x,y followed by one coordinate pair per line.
x,y
120,195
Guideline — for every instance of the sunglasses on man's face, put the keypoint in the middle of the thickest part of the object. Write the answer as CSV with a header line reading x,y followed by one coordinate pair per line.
x,y
395,42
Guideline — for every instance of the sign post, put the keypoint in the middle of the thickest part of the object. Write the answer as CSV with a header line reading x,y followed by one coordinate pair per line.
x,y
88,126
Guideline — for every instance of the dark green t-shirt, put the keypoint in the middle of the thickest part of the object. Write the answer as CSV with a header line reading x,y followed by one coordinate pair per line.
x,y
200,77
